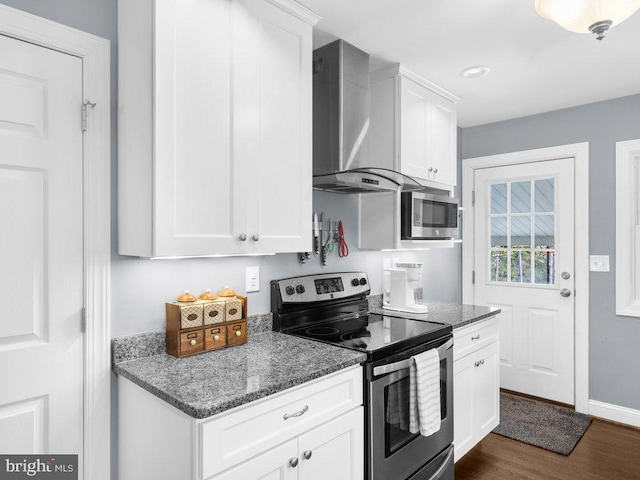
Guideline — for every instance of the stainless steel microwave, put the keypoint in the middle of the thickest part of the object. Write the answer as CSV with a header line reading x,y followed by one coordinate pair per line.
x,y
425,216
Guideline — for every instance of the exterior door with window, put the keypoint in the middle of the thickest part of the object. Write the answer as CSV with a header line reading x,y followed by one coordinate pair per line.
x,y
524,264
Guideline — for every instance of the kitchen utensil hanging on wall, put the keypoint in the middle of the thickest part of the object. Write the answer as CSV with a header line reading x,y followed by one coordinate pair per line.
x,y
343,248
323,250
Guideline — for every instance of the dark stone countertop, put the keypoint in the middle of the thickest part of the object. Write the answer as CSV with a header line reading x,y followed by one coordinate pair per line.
x,y
209,383
455,314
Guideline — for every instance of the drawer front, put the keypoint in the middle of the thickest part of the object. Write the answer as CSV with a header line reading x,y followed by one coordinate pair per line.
x,y
233,310
191,342
237,332
235,436
472,337
191,316
215,337
214,312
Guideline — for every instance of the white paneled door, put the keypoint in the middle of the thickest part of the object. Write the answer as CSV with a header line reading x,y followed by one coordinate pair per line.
x,y
41,250
524,264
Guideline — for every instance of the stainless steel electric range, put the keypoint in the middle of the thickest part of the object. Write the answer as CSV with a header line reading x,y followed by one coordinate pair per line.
x,y
333,308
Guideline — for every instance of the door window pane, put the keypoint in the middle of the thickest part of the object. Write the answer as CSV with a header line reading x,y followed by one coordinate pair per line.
x,y
545,195
499,198
521,197
545,267
521,266
499,232
498,270
545,229
521,231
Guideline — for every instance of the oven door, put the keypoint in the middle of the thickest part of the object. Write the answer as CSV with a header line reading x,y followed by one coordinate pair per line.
x,y
392,451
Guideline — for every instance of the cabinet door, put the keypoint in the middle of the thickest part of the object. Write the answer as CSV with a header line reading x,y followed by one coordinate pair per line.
x,y
415,107
476,396
198,181
273,464
335,450
463,400
274,99
486,390
443,140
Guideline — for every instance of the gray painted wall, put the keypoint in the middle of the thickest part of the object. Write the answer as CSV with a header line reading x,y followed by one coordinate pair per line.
x,y
613,347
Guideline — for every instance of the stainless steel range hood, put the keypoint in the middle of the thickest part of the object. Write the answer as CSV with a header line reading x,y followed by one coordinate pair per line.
x,y
341,103
365,180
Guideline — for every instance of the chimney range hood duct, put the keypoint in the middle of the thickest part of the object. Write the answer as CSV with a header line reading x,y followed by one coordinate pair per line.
x,y
341,103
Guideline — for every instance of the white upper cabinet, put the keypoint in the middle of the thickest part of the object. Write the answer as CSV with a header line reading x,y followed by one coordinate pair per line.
x,y
413,126
214,127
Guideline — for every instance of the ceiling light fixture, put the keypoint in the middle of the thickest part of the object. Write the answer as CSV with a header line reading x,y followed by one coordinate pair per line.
x,y
583,16
475,72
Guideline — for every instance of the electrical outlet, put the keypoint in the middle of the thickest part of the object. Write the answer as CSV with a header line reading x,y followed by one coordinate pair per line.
x,y
252,279
599,263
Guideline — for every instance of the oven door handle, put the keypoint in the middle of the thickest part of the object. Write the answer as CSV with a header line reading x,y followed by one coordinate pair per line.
x,y
394,367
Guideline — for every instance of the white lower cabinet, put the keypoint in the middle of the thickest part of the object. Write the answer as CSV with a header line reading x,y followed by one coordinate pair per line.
x,y
476,384
310,432
331,451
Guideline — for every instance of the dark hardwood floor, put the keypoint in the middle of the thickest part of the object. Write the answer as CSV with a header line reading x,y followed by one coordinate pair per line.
x,y
607,451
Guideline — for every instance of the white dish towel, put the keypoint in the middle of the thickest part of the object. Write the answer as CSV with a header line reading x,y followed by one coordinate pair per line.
x,y
424,393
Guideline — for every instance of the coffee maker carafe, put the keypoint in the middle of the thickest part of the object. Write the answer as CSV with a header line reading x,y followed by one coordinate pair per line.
x,y
399,284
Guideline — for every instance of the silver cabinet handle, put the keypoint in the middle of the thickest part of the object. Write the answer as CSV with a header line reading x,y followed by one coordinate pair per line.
x,y
255,237
477,337
435,171
242,237
565,292
297,414
307,454
479,362
431,169
294,462
565,275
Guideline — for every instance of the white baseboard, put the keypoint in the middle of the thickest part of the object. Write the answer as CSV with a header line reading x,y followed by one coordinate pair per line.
x,y
615,413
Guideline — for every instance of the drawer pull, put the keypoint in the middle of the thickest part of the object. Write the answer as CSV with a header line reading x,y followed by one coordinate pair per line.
x,y
307,454
238,333
294,462
216,337
297,414
193,342
479,362
477,337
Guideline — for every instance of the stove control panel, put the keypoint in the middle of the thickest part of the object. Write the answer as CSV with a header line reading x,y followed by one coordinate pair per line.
x,y
322,287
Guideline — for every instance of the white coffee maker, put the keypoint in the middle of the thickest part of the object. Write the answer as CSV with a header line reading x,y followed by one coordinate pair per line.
x,y
399,283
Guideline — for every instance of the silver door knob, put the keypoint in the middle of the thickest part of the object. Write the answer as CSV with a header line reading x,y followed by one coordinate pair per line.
x,y
294,462
242,237
255,237
307,454
565,292
565,275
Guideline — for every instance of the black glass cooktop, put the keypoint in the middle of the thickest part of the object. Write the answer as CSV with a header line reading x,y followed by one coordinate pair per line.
x,y
376,335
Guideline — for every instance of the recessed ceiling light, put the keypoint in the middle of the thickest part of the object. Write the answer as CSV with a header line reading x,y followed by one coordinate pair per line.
x,y
475,72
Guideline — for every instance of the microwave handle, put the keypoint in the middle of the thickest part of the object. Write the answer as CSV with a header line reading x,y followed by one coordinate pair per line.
x,y
394,367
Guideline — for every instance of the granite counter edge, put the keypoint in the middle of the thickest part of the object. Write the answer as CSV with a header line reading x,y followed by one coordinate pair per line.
x,y
205,412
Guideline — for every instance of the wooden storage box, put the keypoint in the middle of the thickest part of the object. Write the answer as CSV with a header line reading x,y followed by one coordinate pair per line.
x,y
204,325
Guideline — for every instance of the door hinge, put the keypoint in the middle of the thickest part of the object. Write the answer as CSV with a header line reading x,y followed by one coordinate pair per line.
x,y
85,114
84,320
473,276
473,198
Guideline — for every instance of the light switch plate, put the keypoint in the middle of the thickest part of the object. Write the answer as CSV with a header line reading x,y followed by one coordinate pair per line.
x,y
599,263
252,279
